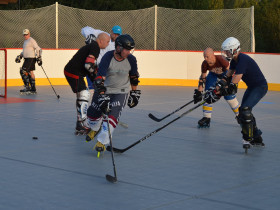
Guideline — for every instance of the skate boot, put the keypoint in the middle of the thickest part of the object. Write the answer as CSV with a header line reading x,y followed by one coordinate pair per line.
x,y
90,136
81,128
257,141
25,90
204,122
246,145
238,120
33,91
99,147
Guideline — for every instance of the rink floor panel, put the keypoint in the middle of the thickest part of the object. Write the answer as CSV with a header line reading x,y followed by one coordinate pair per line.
x,y
179,167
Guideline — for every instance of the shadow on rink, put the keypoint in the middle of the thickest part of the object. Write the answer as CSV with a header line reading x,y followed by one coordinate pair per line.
x,y
180,167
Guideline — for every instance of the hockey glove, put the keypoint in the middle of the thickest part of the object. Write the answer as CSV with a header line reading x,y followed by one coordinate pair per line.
x,y
133,98
232,89
211,97
197,96
92,76
223,87
39,61
18,58
99,85
103,103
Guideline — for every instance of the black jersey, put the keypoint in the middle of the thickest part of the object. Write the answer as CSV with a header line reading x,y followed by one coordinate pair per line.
x,y
77,64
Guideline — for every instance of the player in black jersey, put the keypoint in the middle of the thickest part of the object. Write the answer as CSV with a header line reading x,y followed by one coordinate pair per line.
x,y
76,69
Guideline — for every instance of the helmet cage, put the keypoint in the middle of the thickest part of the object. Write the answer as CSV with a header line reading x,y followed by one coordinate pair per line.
x,y
230,48
90,38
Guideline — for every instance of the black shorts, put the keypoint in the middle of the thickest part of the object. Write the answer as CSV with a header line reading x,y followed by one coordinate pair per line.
x,y
29,64
77,83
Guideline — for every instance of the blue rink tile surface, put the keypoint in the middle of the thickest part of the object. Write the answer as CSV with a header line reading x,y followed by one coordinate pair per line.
x,y
180,167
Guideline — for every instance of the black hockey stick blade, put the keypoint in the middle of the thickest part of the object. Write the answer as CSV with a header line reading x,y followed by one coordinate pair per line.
x,y
158,120
116,150
111,179
154,118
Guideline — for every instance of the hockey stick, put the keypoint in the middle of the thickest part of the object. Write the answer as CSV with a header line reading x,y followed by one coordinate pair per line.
x,y
152,133
50,83
112,179
160,119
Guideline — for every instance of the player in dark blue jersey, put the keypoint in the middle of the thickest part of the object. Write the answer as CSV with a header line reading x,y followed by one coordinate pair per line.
x,y
242,67
115,84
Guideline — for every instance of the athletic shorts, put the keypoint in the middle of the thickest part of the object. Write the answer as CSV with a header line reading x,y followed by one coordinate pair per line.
x,y
117,103
77,83
29,64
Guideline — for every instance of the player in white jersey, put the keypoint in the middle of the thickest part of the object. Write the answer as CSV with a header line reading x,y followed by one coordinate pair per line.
x,y
90,34
116,78
31,50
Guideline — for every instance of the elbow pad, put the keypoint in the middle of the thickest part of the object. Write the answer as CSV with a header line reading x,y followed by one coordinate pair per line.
x,y
134,80
89,64
201,81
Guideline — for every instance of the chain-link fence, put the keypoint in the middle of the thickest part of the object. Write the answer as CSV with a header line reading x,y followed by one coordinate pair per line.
x,y
159,28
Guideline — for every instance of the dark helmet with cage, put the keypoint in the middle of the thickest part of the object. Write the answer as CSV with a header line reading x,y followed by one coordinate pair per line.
x,y
90,38
125,41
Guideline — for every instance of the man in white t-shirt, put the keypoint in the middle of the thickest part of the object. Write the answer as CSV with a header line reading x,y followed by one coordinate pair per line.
x,y
31,50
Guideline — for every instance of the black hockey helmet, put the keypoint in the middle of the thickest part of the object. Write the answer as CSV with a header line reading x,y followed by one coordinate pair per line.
x,y
125,41
90,38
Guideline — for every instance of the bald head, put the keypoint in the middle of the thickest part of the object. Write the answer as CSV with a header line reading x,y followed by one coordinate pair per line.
x,y
209,56
208,51
103,40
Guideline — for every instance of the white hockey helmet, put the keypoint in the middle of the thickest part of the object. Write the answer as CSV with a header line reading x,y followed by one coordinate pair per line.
x,y
230,47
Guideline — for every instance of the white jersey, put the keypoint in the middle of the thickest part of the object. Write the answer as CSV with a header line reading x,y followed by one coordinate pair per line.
x,y
29,48
86,31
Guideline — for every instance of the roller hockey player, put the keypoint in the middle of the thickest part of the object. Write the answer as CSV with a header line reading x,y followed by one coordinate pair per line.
x,y
217,67
245,68
90,34
76,69
112,89
30,50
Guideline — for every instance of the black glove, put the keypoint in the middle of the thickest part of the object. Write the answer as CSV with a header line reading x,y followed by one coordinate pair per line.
x,y
92,76
18,58
197,96
39,61
232,89
133,98
211,97
103,103
99,85
223,87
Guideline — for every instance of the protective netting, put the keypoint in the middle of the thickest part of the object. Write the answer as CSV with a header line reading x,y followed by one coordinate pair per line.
x,y
175,29
198,29
2,73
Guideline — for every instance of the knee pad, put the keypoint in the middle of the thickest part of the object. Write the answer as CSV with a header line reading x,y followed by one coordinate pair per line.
x,y
247,121
82,104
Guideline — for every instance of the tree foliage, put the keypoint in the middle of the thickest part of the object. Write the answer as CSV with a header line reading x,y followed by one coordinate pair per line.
x,y
267,12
